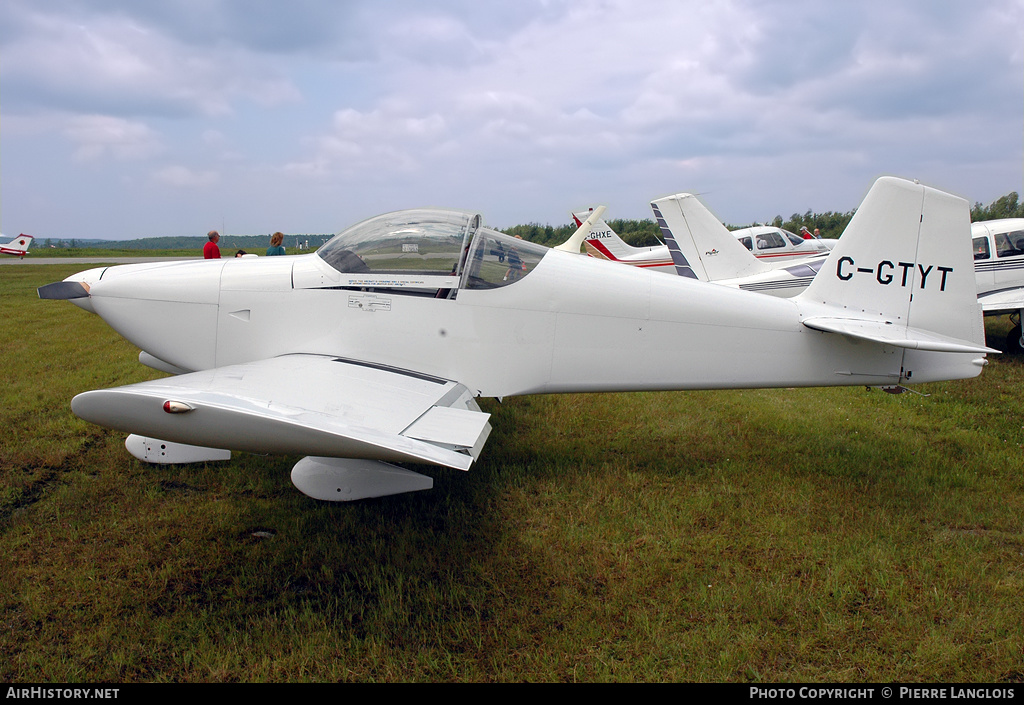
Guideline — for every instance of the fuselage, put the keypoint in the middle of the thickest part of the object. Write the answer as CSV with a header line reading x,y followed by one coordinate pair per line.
x,y
775,244
571,324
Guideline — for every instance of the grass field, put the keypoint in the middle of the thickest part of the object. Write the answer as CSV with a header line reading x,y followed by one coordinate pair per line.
x,y
786,535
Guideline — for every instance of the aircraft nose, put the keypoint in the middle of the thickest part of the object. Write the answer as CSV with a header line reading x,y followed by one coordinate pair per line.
x,y
169,310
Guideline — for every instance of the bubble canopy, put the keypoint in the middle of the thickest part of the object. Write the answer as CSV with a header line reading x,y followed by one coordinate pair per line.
x,y
429,251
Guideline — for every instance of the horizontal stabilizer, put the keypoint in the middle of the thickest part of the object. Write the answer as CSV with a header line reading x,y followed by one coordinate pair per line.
x,y
896,335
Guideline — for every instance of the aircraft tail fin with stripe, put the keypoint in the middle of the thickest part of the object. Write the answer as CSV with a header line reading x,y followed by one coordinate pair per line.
x,y
604,243
698,242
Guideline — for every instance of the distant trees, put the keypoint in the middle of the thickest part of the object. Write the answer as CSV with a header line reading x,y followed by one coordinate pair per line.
x,y
1005,207
644,233
830,223
638,233
833,224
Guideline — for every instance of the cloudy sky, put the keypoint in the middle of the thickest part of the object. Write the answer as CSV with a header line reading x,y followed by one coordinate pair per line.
x,y
126,119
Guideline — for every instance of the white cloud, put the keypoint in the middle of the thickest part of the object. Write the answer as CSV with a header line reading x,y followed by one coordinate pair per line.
x,y
114,63
520,108
183,177
98,136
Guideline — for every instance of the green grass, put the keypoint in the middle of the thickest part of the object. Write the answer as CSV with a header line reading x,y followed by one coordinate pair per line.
x,y
762,536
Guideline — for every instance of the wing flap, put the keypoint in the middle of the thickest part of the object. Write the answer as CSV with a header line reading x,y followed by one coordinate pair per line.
x,y
308,404
460,428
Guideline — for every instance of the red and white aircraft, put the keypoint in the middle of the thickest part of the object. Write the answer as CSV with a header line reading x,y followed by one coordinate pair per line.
x,y
17,247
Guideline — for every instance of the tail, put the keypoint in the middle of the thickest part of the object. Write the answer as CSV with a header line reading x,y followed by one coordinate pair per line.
x,y
18,246
906,260
604,243
699,243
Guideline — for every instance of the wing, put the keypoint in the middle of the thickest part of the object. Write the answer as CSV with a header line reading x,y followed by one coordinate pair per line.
x,y
302,404
1006,301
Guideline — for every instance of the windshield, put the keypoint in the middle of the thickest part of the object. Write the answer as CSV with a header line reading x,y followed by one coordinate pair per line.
x,y
428,251
499,260
422,241
798,241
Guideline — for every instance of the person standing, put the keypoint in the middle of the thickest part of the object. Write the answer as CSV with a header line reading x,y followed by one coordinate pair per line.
x,y
210,249
276,246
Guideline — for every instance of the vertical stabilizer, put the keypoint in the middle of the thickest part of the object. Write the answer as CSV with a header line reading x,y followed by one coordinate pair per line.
x,y
604,243
18,246
902,273
697,239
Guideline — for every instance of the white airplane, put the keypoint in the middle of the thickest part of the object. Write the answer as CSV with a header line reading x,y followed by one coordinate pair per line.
x,y
373,349
17,247
999,270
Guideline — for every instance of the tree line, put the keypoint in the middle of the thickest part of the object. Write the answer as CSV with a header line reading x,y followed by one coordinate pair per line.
x,y
635,232
645,233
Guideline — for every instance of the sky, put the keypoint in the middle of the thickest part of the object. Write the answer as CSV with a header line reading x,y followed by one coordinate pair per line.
x,y
123,119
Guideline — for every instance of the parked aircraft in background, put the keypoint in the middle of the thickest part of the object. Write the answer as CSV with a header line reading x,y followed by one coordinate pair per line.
x,y
708,250
17,247
601,242
374,348
999,269
773,245
701,247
